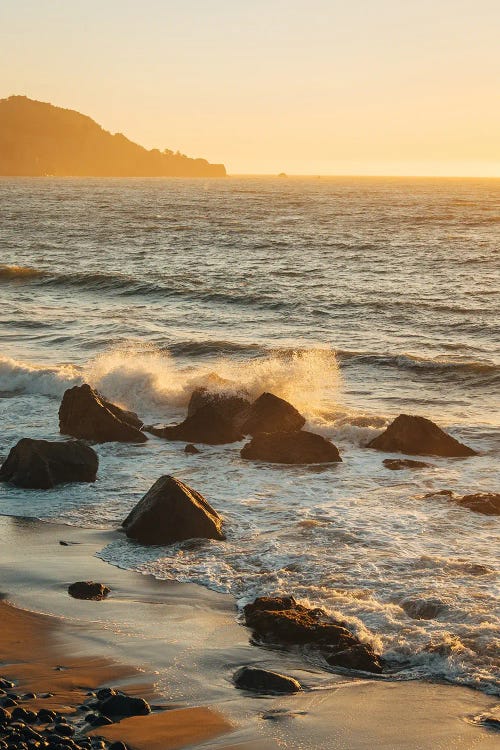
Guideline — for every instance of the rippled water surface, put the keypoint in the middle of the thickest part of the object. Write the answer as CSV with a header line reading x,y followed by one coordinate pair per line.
x,y
356,300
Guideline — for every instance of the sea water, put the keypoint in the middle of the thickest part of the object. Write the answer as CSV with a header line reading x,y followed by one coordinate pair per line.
x,y
356,300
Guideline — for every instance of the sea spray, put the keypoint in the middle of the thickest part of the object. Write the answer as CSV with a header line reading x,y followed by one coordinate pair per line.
x,y
154,382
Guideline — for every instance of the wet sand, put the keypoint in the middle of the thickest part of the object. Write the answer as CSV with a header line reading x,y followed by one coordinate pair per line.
x,y
178,645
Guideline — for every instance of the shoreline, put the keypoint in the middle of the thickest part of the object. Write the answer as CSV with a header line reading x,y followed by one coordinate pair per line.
x,y
183,642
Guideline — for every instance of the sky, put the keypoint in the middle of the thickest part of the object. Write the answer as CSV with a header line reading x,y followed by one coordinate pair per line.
x,y
375,87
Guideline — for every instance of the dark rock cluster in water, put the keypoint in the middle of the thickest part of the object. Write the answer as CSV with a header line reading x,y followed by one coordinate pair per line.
x,y
45,729
281,620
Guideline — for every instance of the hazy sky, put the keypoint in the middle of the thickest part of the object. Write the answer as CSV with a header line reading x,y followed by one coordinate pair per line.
x,y
301,86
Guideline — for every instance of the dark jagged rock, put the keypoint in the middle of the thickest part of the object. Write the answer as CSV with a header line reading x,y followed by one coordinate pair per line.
x,y
88,590
85,414
487,503
415,436
124,705
291,448
281,620
42,464
265,681
206,425
269,413
396,464
191,449
227,404
172,512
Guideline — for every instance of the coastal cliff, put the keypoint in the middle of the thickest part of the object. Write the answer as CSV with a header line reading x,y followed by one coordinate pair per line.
x,y
38,139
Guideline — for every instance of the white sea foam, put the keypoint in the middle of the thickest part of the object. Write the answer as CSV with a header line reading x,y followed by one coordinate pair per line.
x,y
22,377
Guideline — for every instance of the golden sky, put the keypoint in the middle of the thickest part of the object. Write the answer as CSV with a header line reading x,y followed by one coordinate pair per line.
x,y
403,87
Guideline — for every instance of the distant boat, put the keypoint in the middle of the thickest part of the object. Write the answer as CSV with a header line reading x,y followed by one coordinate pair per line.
x,y
282,174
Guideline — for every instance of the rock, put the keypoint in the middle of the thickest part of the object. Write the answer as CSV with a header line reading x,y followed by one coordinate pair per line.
x,y
85,414
269,413
396,464
264,681
281,620
118,746
360,657
88,590
172,512
419,436
206,425
46,716
291,448
487,503
192,449
227,404
42,464
124,705
422,609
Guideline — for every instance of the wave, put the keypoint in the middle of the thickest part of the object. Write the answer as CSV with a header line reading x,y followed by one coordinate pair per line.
x,y
423,365
151,380
124,285
20,377
154,383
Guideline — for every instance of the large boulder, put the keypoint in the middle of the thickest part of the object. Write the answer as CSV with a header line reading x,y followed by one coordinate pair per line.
x,y
269,413
206,425
84,413
172,512
281,620
265,681
291,448
41,464
415,436
228,404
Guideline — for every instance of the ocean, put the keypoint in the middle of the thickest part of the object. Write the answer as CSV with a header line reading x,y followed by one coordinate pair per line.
x,y
356,300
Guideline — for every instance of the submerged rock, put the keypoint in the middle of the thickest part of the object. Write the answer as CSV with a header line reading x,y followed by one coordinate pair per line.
x,y
206,425
415,435
172,512
88,590
84,413
192,449
281,620
269,413
265,681
42,464
396,464
422,609
291,448
487,503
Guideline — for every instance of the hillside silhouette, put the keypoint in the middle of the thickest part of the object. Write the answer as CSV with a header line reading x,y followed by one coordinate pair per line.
x,y
38,139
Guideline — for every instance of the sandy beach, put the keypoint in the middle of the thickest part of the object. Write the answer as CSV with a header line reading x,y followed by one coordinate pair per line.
x,y
178,645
